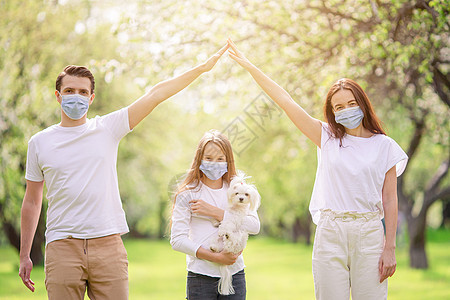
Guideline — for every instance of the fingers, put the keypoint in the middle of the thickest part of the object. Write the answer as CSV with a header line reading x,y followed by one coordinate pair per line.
x,y
380,270
393,271
223,49
233,46
380,266
230,51
233,56
26,279
229,258
29,284
386,272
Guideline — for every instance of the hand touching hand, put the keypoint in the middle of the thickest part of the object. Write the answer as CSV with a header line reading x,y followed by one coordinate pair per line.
x,y
26,265
237,55
211,62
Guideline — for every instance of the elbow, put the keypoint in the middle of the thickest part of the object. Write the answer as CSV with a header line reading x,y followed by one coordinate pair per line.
x,y
175,245
157,95
255,229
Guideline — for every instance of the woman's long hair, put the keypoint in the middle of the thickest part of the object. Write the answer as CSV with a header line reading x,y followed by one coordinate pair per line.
x,y
370,120
194,175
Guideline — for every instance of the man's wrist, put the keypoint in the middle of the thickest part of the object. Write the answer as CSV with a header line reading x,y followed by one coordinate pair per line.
x,y
24,256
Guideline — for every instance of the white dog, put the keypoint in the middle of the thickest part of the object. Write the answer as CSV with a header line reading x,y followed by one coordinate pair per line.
x,y
232,237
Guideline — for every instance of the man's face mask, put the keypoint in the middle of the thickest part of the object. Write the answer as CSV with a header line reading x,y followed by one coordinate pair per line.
x,y
74,106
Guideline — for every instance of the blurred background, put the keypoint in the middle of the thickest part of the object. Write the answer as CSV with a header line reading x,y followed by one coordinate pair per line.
x,y
398,51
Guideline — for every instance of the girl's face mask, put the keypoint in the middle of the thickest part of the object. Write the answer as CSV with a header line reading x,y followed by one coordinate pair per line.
x,y
349,117
213,170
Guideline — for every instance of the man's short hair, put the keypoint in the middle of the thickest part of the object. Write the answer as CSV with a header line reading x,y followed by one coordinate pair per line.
x,y
78,71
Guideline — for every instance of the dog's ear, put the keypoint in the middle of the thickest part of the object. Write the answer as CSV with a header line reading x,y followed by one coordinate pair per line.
x,y
230,192
255,198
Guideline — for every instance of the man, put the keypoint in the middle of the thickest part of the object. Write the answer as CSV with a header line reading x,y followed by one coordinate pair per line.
x,y
77,160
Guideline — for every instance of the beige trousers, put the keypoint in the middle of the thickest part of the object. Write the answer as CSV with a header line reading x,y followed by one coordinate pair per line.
x,y
98,265
347,248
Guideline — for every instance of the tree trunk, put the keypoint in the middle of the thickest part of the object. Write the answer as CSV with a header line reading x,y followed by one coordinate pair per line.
x,y
417,254
302,227
37,254
162,219
445,213
13,235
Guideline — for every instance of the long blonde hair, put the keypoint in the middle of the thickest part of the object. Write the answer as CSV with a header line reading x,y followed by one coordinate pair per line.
x,y
194,175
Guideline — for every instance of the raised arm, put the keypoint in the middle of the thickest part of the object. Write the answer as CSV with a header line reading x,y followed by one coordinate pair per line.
x,y
310,126
31,209
165,89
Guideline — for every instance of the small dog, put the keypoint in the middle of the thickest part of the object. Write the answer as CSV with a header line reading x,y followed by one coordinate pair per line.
x,y
232,237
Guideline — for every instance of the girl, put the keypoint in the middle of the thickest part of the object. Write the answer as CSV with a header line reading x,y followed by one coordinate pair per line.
x,y
356,184
200,199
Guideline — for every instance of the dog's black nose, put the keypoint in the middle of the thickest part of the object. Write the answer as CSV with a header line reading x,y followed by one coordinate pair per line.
x,y
241,199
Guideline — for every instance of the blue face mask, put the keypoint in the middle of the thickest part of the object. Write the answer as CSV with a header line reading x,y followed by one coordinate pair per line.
x,y
74,106
349,117
214,170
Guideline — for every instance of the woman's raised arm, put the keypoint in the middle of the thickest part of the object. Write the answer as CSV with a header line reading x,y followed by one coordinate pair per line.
x,y
310,126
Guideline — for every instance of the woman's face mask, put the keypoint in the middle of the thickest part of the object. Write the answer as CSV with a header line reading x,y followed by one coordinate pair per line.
x,y
349,117
74,106
213,170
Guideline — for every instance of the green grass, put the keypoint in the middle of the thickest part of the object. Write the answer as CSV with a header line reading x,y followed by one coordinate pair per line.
x,y
275,270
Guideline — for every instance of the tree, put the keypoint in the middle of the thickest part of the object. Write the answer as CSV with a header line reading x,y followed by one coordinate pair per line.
x,y
36,48
398,50
395,49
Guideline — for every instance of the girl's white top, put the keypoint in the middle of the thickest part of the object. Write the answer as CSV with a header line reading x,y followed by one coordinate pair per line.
x,y
351,177
191,231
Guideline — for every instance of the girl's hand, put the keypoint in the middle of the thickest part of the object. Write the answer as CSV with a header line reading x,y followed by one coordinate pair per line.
x,y
238,56
211,62
387,264
227,258
205,209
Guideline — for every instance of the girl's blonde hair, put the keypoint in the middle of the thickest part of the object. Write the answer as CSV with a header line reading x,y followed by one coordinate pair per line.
x,y
194,175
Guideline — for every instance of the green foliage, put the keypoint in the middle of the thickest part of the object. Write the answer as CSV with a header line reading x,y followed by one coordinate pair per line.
x,y
303,45
275,270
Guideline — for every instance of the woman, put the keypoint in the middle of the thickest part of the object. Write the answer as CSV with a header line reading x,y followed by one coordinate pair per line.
x,y
356,184
201,199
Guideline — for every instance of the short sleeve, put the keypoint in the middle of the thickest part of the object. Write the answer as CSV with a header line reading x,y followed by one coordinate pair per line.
x,y
326,134
33,171
117,122
396,157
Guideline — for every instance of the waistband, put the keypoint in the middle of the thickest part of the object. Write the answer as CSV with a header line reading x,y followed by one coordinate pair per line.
x,y
350,215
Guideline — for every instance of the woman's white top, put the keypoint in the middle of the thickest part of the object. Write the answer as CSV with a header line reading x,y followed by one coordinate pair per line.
x,y
191,231
350,176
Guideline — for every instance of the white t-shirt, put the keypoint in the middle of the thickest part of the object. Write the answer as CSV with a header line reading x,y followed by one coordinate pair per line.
x,y
190,231
351,177
78,165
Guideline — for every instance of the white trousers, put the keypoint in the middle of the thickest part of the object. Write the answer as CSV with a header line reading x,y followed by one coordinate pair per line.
x,y
347,248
